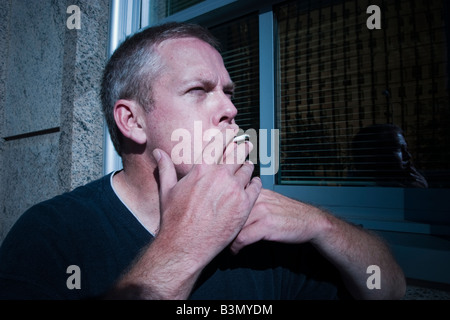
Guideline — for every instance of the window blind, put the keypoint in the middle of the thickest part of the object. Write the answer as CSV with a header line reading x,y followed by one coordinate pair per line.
x,y
336,78
239,41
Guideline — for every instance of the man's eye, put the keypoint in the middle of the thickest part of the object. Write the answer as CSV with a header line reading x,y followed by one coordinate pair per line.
x,y
230,94
197,90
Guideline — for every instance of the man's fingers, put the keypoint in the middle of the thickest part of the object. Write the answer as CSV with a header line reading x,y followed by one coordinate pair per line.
x,y
217,145
237,153
229,136
253,189
166,170
244,173
248,235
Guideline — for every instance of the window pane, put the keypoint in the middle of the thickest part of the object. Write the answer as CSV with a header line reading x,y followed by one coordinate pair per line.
x,y
337,77
239,41
161,9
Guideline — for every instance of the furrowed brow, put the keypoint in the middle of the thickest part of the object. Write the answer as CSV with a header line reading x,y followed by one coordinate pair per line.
x,y
229,86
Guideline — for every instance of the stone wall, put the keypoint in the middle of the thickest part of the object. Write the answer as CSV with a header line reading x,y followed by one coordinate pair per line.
x,y
51,126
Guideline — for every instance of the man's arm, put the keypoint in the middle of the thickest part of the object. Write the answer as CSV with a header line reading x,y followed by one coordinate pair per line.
x,y
350,248
162,271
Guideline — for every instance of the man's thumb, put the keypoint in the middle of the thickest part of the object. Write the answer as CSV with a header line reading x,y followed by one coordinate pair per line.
x,y
167,173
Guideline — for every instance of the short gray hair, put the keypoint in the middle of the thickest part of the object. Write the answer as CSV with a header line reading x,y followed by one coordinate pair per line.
x,y
134,66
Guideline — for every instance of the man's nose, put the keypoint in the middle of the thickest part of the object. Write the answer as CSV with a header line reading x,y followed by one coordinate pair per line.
x,y
405,154
226,110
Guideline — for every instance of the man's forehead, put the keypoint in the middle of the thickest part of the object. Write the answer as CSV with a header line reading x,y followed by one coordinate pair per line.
x,y
193,60
178,46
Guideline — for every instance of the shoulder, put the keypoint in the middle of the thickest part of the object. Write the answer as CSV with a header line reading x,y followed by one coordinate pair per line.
x,y
85,195
86,227
82,197
51,215
40,246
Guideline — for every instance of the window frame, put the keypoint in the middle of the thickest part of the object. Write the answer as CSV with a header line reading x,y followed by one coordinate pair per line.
x,y
125,18
397,218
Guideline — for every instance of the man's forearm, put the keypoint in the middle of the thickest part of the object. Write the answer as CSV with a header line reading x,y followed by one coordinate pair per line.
x,y
352,250
157,274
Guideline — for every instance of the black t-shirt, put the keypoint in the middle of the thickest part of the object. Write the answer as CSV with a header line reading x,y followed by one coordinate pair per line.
x,y
90,228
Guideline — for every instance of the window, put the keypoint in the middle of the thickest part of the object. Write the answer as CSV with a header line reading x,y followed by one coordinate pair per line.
x,y
338,84
339,81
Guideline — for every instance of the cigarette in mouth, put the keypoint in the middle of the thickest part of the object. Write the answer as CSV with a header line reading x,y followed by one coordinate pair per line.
x,y
242,138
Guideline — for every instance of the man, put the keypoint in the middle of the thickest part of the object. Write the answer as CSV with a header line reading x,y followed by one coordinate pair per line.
x,y
198,229
380,153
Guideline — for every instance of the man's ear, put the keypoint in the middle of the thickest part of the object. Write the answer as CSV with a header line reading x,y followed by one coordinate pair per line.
x,y
130,119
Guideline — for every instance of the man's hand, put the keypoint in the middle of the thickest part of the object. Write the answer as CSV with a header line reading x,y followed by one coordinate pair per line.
x,y
278,218
205,210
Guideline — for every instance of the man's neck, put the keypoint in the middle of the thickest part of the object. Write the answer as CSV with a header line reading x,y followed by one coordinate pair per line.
x,y
138,189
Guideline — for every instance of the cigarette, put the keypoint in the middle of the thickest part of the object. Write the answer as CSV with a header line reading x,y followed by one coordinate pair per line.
x,y
242,138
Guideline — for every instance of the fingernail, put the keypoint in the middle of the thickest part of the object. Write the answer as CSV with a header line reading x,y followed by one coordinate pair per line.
x,y
156,154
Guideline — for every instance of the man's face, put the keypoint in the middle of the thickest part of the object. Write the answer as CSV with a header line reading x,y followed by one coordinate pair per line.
x,y
402,155
192,95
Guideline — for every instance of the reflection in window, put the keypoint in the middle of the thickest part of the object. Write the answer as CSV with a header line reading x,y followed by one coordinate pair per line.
x,y
336,77
380,154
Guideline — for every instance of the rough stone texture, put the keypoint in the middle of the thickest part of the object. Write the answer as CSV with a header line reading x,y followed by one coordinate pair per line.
x,y
34,64
85,57
4,35
51,126
31,176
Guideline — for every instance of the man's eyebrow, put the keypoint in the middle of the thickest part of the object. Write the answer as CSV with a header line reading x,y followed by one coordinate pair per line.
x,y
230,86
